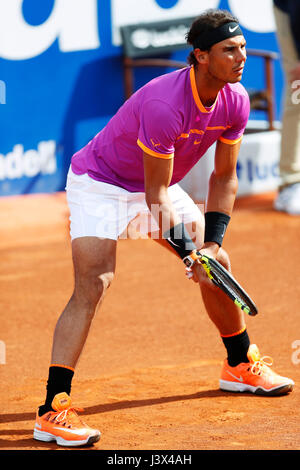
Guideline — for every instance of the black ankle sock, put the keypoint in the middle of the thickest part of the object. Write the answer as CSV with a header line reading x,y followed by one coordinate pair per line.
x,y
59,380
237,347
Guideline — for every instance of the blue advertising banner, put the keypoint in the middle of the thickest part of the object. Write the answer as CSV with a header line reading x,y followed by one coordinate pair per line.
x,y
61,75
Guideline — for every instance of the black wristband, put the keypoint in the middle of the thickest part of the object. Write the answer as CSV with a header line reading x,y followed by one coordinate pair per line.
x,y
179,239
215,227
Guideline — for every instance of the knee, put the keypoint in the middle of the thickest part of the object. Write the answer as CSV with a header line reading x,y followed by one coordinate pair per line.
x,y
98,285
105,280
90,290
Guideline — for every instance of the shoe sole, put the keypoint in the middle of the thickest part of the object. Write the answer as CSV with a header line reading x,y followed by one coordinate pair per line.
x,y
237,387
48,437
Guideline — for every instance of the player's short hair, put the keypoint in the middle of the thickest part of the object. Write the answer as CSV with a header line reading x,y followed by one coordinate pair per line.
x,y
207,21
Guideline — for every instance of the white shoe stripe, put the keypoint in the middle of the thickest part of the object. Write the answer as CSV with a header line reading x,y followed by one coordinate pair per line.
x,y
242,387
78,432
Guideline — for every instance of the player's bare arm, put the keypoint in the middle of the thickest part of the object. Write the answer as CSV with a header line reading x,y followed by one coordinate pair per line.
x,y
223,185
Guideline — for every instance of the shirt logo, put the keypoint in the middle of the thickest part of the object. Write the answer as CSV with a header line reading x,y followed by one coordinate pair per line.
x,y
231,30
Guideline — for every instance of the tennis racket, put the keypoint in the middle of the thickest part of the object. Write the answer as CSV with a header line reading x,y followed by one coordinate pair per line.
x,y
226,282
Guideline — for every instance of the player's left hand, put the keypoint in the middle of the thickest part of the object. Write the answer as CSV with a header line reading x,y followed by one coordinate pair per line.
x,y
197,273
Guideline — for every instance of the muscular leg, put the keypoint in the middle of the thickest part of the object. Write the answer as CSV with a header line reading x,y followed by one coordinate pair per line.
x,y
94,265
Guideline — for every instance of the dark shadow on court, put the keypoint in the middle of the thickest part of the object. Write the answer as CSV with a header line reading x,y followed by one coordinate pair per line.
x,y
98,409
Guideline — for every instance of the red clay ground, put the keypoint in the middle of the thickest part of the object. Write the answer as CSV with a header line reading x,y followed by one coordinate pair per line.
x,y
148,376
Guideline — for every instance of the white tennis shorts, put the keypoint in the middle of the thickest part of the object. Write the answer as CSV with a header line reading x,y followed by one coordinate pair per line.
x,y
106,211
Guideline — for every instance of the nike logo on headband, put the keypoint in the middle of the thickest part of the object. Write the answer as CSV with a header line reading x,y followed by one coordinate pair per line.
x,y
231,30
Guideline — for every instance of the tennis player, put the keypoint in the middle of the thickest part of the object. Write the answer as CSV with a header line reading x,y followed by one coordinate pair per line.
x,y
131,169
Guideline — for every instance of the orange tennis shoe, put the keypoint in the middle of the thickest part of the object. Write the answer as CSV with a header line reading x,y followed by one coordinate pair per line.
x,y
255,376
64,425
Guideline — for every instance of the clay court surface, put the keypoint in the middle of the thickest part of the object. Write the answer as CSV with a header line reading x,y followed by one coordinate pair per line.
x,y
148,376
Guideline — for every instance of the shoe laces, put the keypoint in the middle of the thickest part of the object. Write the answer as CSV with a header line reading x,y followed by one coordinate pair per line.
x,y
261,365
69,417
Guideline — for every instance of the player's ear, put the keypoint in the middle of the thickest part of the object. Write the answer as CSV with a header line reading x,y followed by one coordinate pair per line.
x,y
201,56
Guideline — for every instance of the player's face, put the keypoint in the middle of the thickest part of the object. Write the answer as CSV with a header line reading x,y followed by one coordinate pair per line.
x,y
227,58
